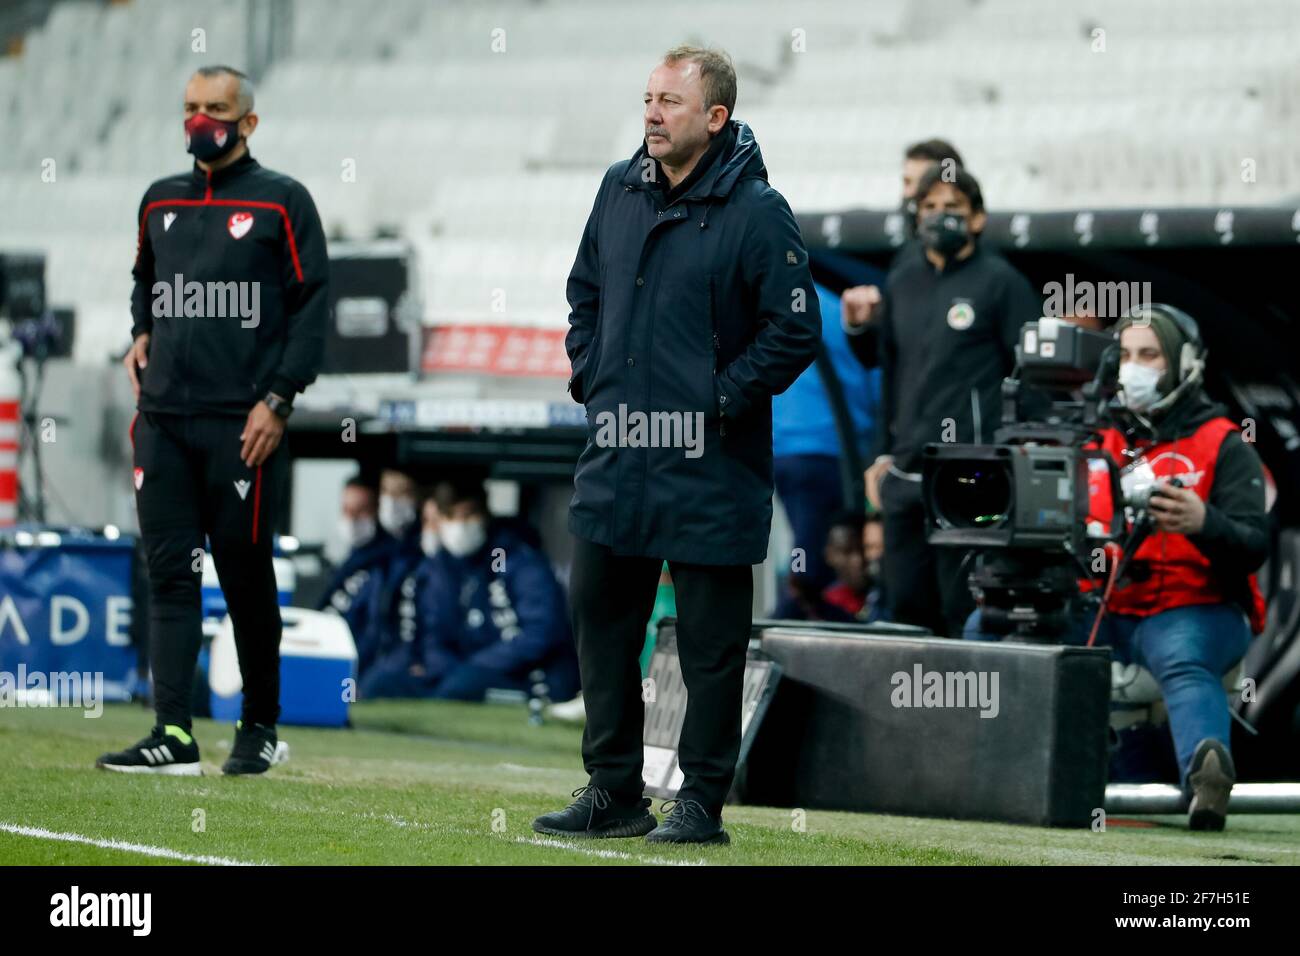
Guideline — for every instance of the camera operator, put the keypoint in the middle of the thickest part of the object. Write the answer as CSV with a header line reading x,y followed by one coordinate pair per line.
x,y
944,336
1187,603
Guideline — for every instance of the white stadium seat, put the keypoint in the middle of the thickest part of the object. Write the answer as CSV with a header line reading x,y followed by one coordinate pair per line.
x,y
480,132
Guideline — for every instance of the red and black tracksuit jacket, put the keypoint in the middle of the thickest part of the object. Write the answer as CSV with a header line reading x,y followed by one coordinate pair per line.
x,y
240,224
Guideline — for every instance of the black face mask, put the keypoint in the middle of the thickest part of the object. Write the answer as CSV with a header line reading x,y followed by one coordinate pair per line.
x,y
944,232
209,139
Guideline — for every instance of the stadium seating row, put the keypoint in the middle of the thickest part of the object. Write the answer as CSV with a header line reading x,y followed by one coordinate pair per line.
x,y
478,132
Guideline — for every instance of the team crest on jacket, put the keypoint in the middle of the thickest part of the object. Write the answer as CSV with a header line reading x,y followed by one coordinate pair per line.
x,y
239,224
961,316
139,478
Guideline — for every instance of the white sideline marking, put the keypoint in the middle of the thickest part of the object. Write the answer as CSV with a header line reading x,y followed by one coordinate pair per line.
x,y
607,854
141,848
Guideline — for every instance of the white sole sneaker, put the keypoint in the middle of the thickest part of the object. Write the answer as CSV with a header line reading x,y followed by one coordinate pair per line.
x,y
163,770
571,711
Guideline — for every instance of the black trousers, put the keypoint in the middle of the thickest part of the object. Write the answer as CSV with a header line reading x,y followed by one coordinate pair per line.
x,y
192,491
926,585
611,598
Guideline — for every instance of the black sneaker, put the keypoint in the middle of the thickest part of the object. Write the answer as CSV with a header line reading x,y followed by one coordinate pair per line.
x,y
597,813
256,750
688,822
1210,778
169,750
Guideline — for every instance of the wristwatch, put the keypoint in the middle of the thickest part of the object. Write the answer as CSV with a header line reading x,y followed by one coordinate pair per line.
x,y
278,405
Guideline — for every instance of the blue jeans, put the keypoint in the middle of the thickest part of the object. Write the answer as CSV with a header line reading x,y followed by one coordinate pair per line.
x,y
1186,649
809,489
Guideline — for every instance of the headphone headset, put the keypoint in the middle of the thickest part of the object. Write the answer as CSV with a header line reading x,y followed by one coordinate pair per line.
x,y
1191,358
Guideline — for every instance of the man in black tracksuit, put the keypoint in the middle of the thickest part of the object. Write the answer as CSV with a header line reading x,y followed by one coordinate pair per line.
x,y
229,313
944,337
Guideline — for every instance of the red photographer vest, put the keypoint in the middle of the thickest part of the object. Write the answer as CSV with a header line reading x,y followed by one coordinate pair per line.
x,y
1180,574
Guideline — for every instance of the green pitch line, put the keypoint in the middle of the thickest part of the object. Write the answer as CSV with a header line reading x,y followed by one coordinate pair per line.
x,y
445,783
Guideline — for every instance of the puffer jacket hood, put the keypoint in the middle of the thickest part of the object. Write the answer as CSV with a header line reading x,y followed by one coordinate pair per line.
x,y
741,159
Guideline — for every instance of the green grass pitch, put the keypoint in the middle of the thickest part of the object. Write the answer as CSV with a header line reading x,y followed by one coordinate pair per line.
x,y
443,783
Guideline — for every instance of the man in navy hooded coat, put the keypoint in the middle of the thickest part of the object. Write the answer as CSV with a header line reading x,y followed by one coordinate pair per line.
x,y
692,305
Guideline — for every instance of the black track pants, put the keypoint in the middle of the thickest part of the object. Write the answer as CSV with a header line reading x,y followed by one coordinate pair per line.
x,y
192,487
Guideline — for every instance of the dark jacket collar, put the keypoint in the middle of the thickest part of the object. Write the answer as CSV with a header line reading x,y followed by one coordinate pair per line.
x,y
239,167
738,157
724,141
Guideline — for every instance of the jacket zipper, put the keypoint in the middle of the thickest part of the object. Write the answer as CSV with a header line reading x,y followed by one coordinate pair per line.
x,y
189,326
717,349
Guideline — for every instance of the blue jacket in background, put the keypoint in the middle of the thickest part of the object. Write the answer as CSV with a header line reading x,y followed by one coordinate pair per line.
x,y
352,589
488,619
802,422
390,617
395,648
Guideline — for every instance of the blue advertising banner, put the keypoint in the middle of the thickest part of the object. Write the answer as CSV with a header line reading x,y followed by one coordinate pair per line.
x,y
65,608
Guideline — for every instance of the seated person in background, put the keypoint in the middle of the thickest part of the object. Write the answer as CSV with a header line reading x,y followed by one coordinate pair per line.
x,y
1188,603
876,608
394,667
370,548
853,595
495,613
488,612
399,499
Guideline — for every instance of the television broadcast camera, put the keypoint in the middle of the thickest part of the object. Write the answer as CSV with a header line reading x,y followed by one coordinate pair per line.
x,y
1022,503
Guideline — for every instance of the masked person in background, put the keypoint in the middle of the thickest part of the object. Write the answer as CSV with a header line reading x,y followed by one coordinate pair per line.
x,y
350,592
215,376
944,336
398,501
1187,602
493,615
394,665
857,302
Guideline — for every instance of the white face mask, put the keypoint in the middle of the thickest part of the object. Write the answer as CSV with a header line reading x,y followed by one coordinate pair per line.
x,y
356,531
396,514
429,542
462,537
1140,385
